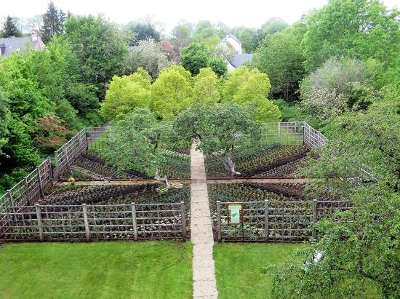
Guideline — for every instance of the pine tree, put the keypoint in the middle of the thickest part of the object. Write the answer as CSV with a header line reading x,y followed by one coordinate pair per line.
x,y
53,23
10,28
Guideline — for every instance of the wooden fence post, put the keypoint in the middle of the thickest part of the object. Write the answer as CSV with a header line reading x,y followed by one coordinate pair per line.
x,y
279,133
85,219
219,221
134,222
314,207
40,183
10,198
39,221
266,220
183,215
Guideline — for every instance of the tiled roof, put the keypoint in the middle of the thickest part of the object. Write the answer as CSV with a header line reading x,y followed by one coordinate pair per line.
x,y
13,44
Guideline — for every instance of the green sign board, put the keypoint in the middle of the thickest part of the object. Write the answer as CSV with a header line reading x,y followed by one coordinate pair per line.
x,y
235,211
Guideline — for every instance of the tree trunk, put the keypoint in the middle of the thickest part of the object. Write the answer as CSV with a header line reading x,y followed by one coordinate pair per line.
x,y
230,165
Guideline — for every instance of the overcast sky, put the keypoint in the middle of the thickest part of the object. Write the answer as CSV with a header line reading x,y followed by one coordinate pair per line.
x,y
167,13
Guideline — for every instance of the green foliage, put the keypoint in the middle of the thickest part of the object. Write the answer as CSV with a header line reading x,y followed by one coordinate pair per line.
x,y
281,57
126,93
337,86
149,55
143,31
10,28
171,92
205,89
206,34
270,27
360,29
220,129
133,143
100,47
248,37
53,23
249,88
181,34
4,119
218,65
195,57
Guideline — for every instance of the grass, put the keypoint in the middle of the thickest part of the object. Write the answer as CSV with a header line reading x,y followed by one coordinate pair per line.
x,y
245,270
96,270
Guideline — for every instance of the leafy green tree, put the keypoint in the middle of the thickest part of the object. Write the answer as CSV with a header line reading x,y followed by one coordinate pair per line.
x,y
53,23
361,247
172,92
205,89
10,28
181,35
359,29
339,85
220,129
248,37
126,93
195,57
249,88
143,31
280,56
100,47
270,27
149,55
134,143
206,34
218,65
5,118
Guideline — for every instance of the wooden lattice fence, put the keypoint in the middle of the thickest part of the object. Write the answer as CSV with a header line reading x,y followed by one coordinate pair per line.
x,y
95,222
274,221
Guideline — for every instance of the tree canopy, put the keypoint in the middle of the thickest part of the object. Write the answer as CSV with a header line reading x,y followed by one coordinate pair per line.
x,y
53,23
10,28
195,57
205,89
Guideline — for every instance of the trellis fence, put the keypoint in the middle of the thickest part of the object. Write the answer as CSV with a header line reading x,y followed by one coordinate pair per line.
x,y
32,187
95,222
273,221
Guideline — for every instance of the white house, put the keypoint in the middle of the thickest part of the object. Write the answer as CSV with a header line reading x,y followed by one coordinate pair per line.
x,y
233,53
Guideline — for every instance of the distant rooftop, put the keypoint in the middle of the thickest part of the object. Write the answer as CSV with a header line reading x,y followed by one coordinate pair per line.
x,y
239,59
14,44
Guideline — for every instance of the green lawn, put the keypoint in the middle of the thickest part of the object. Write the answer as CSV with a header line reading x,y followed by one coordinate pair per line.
x,y
96,270
244,270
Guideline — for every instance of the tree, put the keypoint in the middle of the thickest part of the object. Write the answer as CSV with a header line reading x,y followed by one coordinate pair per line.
x,y
134,143
171,92
280,56
53,23
220,129
100,47
270,27
126,93
205,89
143,31
249,88
206,34
195,57
360,247
5,118
248,37
359,29
149,55
218,65
10,28
337,86
181,35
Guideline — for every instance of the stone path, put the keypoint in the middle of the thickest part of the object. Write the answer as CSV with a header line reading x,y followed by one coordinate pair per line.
x,y
204,284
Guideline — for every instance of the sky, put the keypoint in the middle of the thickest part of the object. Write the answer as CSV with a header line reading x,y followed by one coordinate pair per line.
x,y
166,13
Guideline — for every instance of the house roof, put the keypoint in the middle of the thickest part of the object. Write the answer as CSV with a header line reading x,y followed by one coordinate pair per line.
x,y
240,59
13,44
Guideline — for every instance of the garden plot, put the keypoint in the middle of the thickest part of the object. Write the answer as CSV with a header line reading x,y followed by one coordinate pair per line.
x,y
266,161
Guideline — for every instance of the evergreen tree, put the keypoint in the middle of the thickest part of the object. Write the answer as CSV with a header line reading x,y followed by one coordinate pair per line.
x,y
10,28
53,23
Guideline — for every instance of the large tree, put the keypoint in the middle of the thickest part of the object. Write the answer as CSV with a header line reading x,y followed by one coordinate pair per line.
x,y
143,31
100,47
206,87
53,23
280,56
250,88
10,28
171,92
220,130
126,93
195,57
5,118
360,29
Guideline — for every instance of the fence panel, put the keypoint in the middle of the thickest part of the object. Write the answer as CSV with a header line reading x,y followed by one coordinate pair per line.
x,y
312,137
95,222
274,221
